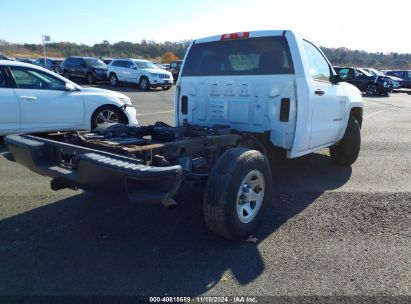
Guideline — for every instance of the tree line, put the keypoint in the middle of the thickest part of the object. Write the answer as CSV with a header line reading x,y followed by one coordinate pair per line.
x,y
149,49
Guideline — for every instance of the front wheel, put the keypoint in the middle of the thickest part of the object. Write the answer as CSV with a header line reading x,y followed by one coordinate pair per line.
x,y
66,74
106,115
371,89
113,80
237,193
90,78
144,83
347,150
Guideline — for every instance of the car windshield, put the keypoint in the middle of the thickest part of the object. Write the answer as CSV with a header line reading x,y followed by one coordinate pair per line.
x,y
375,72
365,72
95,63
145,65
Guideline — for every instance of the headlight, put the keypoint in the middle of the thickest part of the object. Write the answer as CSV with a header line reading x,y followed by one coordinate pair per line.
x,y
154,74
127,101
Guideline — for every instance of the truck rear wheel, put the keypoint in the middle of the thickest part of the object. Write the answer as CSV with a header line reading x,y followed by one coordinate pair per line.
x,y
237,193
347,150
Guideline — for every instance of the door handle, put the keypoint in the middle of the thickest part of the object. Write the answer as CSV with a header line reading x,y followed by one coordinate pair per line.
x,y
28,97
319,92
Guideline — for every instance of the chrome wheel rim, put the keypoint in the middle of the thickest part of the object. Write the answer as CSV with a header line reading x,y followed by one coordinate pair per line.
x,y
143,83
250,196
90,79
113,80
371,89
106,117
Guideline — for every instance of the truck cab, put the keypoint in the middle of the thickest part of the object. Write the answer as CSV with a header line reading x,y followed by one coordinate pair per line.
x,y
276,83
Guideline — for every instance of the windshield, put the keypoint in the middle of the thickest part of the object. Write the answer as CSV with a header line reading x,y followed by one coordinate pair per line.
x,y
145,65
95,63
365,72
374,72
253,56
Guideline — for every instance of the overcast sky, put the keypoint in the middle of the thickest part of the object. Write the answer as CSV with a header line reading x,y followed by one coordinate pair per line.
x,y
356,24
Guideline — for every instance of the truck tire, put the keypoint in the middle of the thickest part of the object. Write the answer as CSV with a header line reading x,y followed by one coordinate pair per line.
x,y
347,150
237,192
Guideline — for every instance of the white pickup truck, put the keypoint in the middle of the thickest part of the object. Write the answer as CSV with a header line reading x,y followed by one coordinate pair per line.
x,y
239,97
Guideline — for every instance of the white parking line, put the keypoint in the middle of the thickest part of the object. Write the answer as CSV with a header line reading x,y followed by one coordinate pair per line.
x,y
154,113
368,116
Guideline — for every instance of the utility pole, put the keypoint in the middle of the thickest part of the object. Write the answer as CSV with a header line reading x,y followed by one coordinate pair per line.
x,y
46,38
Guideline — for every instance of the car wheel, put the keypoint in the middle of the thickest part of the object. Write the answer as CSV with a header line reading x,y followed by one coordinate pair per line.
x,y
90,78
66,74
144,83
237,193
371,89
166,88
113,80
106,115
347,150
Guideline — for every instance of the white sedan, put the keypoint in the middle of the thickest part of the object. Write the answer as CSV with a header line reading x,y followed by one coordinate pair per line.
x,y
33,99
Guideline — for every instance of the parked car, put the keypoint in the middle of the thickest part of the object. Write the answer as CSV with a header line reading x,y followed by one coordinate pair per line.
x,y
52,64
26,60
34,99
166,66
396,82
89,69
241,96
142,72
364,81
175,67
4,57
405,75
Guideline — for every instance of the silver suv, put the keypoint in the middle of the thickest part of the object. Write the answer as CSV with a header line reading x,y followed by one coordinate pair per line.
x,y
138,71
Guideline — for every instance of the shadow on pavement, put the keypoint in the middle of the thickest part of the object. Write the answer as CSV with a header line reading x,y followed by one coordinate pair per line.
x,y
86,245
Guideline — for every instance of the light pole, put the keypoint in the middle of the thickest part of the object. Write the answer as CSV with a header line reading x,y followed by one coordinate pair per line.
x,y
46,38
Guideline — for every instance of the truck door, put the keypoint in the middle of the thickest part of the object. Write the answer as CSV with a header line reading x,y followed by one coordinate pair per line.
x,y
327,99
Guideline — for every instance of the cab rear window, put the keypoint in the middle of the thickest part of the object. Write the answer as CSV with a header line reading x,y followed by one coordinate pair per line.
x,y
251,56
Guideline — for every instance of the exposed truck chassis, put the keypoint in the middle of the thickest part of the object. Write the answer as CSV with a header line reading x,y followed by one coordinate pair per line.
x,y
142,164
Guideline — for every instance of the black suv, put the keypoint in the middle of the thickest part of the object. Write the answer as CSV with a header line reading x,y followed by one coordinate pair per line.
x,y
364,81
87,68
175,67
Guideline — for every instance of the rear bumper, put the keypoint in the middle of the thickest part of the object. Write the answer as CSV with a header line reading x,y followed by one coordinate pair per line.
x,y
93,170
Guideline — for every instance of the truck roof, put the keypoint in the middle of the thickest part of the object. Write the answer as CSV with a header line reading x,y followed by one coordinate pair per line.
x,y
240,35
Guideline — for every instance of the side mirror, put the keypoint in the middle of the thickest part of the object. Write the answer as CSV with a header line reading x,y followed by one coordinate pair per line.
x,y
334,79
70,87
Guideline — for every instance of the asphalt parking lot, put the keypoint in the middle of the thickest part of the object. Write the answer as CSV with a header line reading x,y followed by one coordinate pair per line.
x,y
330,230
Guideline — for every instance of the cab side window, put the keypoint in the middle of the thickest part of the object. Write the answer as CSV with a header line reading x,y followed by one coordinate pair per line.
x,y
319,68
33,79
